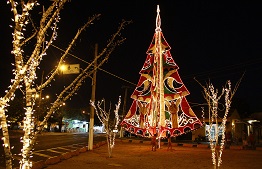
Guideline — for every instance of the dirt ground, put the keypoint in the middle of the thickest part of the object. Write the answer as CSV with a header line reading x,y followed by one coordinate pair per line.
x,y
139,156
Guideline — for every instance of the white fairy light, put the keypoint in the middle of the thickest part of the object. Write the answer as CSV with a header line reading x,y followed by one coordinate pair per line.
x,y
25,72
212,99
104,116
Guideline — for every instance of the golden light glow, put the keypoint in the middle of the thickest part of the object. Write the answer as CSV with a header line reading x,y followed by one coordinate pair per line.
x,y
62,68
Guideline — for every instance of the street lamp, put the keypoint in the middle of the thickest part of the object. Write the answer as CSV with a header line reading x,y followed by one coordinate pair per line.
x,y
70,68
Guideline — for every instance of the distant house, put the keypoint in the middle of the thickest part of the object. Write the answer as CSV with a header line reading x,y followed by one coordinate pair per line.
x,y
74,126
234,125
255,126
79,126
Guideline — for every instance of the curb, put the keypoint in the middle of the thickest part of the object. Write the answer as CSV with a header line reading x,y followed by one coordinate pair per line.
x,y
165,143
53,160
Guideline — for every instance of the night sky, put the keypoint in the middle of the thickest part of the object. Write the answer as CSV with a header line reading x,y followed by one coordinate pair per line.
x,y
216,41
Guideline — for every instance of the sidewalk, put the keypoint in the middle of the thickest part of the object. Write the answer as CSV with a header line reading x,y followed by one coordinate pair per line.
x,y
138,155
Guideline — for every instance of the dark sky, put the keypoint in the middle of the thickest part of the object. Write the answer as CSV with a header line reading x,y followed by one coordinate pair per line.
x,y
216,41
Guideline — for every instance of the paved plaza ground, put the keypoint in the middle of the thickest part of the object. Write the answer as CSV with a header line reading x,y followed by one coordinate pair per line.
x,y
130,155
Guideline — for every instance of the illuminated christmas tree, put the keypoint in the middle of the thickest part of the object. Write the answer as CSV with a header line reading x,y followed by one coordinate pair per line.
x,y
159,99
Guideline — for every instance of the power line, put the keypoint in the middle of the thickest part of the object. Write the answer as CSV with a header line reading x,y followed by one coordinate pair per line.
x,y
226,68
218,70
97,68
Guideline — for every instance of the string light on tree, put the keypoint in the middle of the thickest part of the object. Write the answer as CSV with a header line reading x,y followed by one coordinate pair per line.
x,y
23,71
104,117
212,97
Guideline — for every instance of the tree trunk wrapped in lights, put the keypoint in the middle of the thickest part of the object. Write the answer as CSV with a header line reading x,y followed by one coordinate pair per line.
x,y
5,138
159,99
24,67
104,117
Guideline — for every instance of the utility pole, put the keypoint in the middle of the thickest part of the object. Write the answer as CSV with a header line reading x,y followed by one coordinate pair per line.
x,y
125,97
93,97
124,109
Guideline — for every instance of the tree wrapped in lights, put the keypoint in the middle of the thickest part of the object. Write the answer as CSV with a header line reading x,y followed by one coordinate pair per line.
x,y
104,117
159,99
212,97
25,69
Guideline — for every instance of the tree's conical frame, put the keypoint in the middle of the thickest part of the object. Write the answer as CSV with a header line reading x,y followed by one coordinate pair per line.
x,y
159,99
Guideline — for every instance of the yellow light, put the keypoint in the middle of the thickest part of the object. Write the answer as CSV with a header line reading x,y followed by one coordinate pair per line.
x,y
62,68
